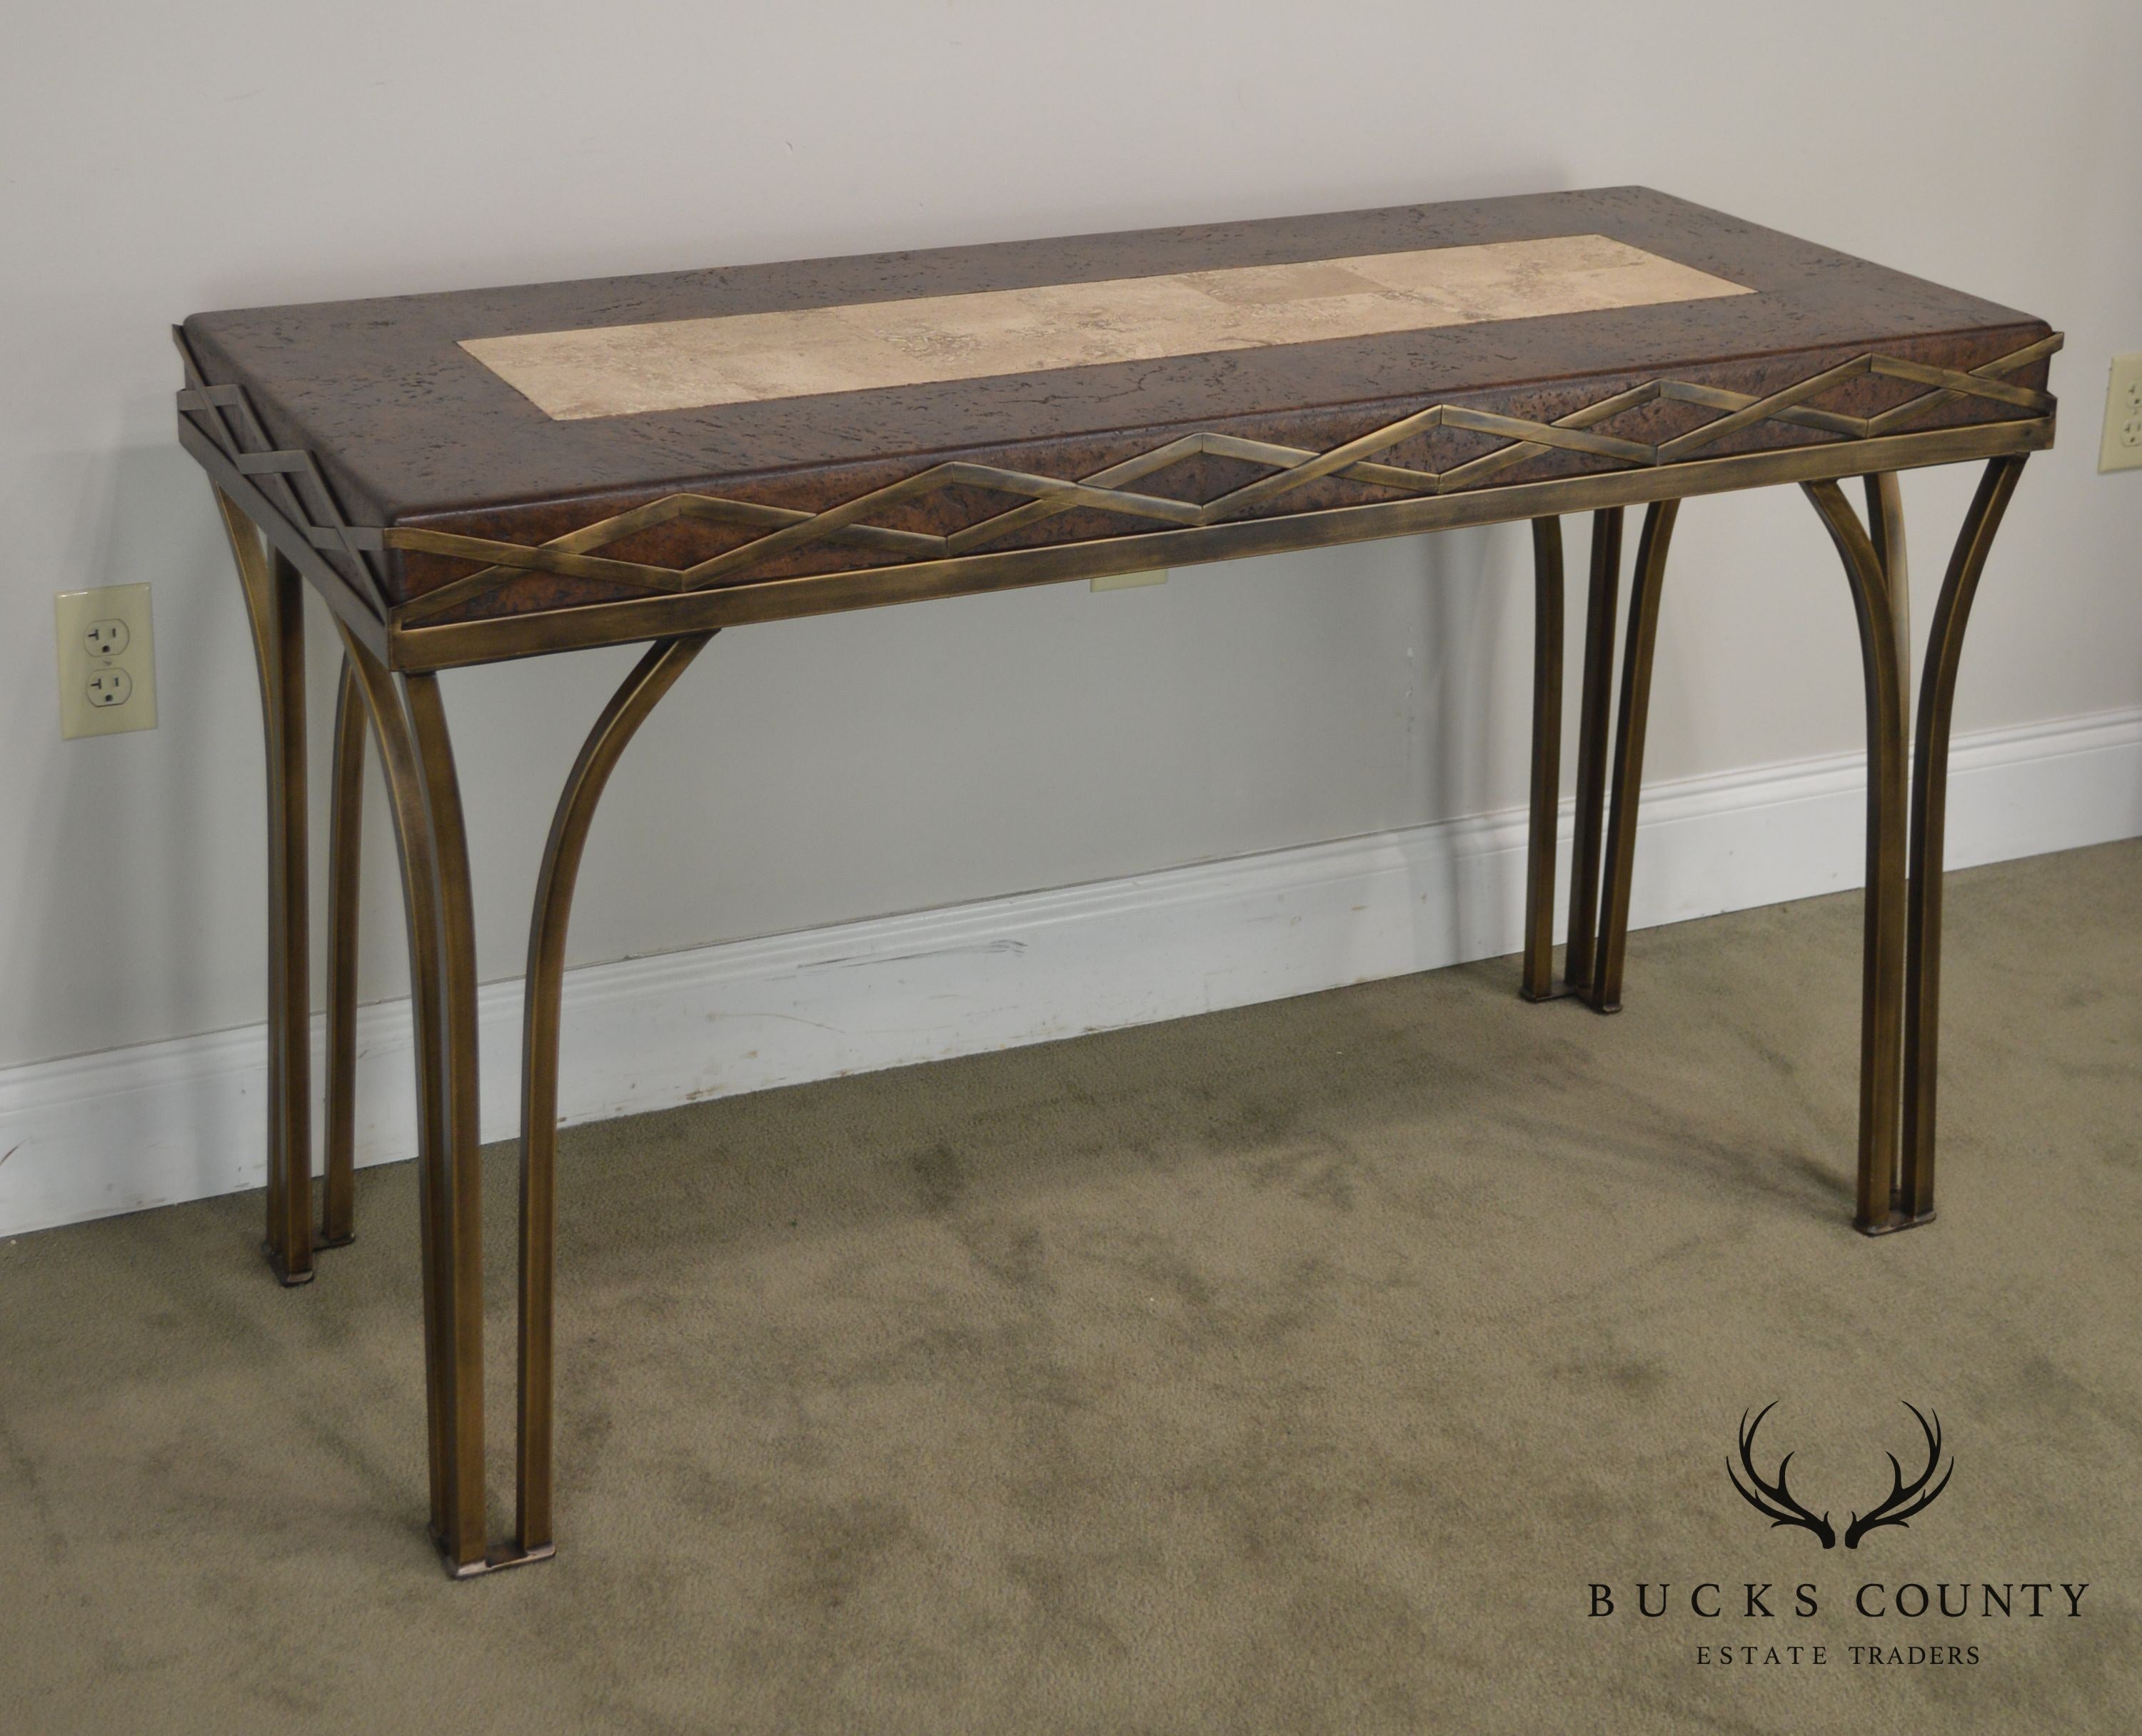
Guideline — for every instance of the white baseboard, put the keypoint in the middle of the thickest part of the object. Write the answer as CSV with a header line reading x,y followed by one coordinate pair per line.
x,y
183,1120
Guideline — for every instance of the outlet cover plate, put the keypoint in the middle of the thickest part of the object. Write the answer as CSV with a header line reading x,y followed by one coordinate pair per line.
x,y
2123,417
107,647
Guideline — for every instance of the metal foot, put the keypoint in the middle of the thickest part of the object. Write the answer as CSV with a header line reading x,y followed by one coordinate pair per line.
x,y
506,1555
1561,989
1895,1221
284,1275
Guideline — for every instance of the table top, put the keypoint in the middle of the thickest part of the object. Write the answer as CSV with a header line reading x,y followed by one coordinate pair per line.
x,y
524,415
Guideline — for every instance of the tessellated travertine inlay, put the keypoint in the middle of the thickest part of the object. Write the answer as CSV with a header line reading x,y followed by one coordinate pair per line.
x,y
677,364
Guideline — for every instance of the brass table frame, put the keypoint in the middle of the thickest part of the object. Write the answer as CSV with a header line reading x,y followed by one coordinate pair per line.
x,y
285,526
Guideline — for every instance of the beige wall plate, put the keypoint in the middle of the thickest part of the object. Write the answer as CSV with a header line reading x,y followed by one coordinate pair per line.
x,y
2122,447
107,661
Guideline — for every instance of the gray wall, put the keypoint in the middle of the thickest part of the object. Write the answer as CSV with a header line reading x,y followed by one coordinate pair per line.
x,y
157,159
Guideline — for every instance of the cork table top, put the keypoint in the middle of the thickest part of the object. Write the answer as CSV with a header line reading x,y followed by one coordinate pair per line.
x,y
525,414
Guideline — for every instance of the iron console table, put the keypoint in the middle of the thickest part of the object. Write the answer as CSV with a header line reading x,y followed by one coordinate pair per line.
x,y
471,477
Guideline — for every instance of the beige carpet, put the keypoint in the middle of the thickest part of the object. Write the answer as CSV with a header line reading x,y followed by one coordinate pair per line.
x,y
1295,1368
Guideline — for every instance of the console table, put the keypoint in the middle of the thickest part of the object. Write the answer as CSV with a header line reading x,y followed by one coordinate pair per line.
x,y
489,474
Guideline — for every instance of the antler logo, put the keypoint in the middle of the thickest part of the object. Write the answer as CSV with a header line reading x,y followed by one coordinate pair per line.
x,y
1775,1502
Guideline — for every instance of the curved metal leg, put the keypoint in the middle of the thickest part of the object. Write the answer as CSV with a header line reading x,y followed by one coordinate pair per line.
x,y
1629,731
416,754
346,825
412,830
457,1213
1594,706
1915,1191
1882,993
643,690
274,605
1538,983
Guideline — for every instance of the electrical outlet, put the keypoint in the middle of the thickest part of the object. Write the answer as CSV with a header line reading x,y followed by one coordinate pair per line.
x,y
2123,417
107,654
1130,580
